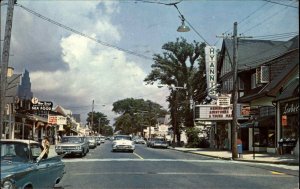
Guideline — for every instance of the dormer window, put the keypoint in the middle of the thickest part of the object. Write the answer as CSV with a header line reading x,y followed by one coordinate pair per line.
x,y
262,74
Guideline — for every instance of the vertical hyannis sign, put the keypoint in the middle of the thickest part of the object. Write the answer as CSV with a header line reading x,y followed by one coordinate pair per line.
x,y
211,68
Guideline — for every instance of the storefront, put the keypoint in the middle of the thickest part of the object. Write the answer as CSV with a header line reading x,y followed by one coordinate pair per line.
x,y
288,117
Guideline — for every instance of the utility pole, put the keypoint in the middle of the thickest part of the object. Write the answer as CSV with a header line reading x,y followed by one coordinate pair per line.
x,y
99,120
234,124
4,61
235,95
92,121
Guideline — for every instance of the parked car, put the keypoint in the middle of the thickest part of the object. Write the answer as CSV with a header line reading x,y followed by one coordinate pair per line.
x,y
74,145
159,143
92,141
123,143
22,168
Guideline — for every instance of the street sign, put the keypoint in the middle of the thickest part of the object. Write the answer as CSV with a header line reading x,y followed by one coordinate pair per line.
x,y
34,100
42,106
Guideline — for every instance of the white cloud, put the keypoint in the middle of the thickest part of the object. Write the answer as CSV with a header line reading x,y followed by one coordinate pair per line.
x,y
95,73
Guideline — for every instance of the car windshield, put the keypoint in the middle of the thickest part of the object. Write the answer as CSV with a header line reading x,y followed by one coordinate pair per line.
x,y
72,140
16,152
122,137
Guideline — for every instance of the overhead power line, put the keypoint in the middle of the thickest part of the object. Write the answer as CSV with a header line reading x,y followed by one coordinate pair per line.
x,y
84,35
278,3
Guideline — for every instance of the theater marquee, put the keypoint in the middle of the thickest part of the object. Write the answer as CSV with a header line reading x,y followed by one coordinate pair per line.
x,y
213,112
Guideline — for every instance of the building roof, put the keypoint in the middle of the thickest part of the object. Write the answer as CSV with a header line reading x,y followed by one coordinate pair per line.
x,y
291,90
272,88
252,53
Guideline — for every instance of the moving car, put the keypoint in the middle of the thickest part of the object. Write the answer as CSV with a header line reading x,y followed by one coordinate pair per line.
x,y
159,143
21,166
98,141
149,142
139,141
102,139
92,141
75,145
123,143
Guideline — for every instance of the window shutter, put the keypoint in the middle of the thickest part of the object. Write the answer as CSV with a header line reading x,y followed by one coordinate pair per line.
x,y
258,75
264,78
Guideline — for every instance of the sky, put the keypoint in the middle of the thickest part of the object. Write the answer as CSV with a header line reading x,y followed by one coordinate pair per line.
x,y
80,51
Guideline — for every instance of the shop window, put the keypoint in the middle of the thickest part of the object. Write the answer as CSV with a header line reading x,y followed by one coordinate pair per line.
x,y
261,137
271,138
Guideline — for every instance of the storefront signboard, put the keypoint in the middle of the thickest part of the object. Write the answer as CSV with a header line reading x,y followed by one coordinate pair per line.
x,y
57,120
211,68
213,112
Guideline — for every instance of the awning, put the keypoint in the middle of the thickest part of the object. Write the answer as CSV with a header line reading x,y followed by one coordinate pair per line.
x,y
249,124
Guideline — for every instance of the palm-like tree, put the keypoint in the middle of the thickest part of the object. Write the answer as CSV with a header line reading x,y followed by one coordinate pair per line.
x,y
181,65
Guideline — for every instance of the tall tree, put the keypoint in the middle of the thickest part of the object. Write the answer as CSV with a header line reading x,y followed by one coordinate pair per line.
x,y
130,120
181,65
99,120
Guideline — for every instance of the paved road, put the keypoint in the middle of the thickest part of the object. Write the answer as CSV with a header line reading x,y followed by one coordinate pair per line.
x,y
164,168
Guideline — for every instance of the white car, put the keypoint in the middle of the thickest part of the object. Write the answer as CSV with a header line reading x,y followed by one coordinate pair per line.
x,y
123,143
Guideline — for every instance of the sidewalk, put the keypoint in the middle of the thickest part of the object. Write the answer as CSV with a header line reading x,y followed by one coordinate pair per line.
x,y
286,159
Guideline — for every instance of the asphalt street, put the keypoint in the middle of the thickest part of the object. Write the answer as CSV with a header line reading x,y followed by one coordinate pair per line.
x,y
165,168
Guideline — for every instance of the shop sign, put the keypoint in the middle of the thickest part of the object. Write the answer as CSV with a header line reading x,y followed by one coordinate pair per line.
x,y
42,106
211,68
290,107
224,100
57,120
213,112
245,111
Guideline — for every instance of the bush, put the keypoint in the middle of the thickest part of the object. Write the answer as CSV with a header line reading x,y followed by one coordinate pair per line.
x,y
194,141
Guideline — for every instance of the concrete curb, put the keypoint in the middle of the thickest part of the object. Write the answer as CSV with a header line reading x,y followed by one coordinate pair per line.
x,y
294,163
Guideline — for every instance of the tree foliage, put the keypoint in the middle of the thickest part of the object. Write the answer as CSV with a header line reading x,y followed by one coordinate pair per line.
x,y
182,64
135,114
99,123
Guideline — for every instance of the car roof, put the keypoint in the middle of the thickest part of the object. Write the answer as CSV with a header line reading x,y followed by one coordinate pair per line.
x,y
20,141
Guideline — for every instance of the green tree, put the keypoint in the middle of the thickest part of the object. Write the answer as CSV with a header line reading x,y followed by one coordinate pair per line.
x,y
182,64
135,114
99,120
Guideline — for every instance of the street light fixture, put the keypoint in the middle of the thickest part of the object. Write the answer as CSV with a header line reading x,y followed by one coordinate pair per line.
x,y
183,27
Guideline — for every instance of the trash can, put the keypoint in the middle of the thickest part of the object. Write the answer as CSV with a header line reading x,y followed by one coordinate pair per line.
x,y
240,149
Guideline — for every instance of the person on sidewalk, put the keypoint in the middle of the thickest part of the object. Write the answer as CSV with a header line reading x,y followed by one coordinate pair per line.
x,y
46,147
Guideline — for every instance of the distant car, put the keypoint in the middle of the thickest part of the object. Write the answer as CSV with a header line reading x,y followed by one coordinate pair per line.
x,y
98,140
159,143
139,141
92,141
123,143
102,139
74,145
149,142
21,167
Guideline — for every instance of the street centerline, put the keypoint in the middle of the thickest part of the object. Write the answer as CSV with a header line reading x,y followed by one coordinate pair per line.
x,y
138,155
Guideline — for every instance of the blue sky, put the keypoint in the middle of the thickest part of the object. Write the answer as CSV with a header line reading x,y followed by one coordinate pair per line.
x,y
72,70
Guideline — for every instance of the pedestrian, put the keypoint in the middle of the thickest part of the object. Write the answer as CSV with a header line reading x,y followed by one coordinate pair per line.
x,y
58,138
46,147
